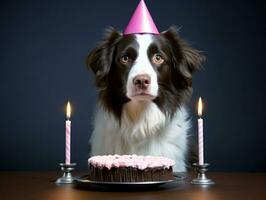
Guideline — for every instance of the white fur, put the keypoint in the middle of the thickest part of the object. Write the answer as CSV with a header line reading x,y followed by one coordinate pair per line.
x,y
142,66
144,130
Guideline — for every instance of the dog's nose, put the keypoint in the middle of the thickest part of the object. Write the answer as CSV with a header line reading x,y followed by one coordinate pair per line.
x,y
142,81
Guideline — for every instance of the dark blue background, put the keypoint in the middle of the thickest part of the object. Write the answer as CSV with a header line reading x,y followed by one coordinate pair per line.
x,y
42,64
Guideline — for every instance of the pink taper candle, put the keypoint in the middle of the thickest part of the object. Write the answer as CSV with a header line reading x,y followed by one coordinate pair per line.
x,y
200,134
68,133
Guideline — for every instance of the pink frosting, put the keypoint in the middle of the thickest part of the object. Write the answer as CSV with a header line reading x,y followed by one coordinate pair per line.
x,y
139,162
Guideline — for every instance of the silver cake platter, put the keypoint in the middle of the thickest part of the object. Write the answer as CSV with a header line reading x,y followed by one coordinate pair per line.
x,y
84,181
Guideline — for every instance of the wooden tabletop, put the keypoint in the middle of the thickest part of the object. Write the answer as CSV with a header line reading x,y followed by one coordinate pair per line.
x,y
41,186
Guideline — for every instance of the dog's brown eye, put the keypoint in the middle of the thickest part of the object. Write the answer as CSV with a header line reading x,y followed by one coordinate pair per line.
x,y
157,59
124,59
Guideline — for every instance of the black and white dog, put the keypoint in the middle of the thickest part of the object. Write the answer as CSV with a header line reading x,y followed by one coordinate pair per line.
x,y
144,81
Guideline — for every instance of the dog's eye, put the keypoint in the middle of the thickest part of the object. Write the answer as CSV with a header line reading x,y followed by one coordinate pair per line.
x,y
124,59
157,59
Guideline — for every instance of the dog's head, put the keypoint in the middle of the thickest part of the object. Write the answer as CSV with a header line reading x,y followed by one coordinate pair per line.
x,y
144,67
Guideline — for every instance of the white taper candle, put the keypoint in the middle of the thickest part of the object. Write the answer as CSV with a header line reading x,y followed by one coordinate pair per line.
x,y
200,134
200,142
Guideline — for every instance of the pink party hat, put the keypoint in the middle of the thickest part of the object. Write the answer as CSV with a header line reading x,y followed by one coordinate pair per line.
x,y
141,21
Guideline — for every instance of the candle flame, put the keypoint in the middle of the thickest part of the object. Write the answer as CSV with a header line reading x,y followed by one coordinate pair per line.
x,y
200,107
68,111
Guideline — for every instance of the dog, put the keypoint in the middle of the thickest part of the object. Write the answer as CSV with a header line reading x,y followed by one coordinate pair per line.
x,y
144,83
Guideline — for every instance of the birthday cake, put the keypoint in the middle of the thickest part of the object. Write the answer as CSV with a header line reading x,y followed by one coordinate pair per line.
x,y
130,168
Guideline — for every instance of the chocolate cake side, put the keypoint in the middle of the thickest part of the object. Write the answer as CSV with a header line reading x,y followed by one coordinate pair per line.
x,y
129,174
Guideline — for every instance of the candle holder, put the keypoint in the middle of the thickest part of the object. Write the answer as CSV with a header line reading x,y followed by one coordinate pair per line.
x,y
202,178
67,176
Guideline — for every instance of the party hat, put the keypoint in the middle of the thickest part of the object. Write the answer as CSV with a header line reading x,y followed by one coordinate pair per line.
x,y
141,21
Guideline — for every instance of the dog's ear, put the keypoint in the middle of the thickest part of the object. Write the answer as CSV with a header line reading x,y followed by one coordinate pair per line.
x,y
185,58
100,59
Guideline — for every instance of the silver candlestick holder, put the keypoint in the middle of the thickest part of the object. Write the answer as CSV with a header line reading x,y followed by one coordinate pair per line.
x,y
67,176
202,178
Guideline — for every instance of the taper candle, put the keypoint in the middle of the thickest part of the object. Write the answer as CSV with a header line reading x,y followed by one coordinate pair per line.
x,y
200,134
68,133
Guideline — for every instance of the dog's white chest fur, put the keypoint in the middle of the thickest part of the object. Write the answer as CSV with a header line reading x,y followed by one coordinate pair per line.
x,y
143,130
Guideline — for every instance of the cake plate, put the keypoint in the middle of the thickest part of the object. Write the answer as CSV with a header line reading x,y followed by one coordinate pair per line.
x,y
84,181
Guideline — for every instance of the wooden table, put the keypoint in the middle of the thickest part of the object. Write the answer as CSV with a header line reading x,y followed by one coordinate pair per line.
x,y
40,186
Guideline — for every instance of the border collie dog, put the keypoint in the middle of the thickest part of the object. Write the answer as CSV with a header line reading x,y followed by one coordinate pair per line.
x,y
144,82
